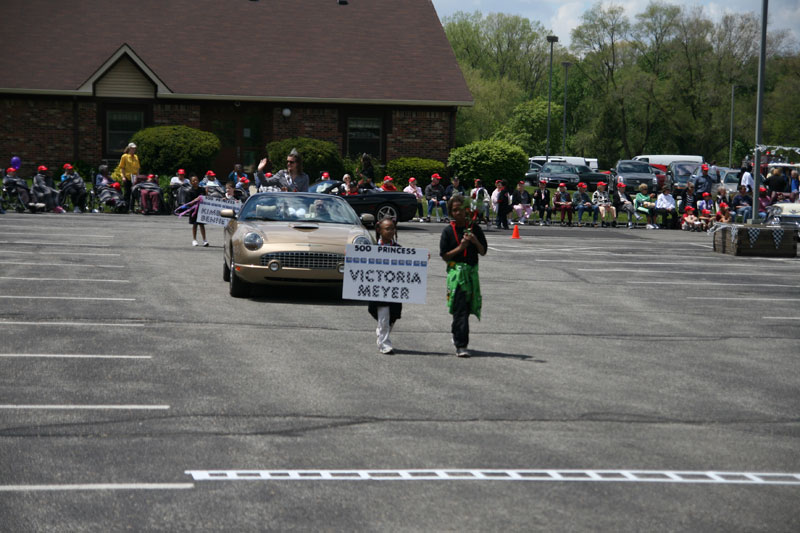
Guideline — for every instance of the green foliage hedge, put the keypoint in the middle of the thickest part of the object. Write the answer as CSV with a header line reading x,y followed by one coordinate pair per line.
x,y
488,161
165,149
404,167
318,156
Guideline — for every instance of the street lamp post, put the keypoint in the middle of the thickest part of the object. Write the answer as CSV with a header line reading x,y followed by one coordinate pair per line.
x,y
550,39
566,65
762,60
730,148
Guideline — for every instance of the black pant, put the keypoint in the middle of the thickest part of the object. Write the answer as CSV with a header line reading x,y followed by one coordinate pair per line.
x,y
673,217
460,327
542,210
502,216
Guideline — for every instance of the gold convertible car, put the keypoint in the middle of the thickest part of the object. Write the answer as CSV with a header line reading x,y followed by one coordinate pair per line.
x,y
289,238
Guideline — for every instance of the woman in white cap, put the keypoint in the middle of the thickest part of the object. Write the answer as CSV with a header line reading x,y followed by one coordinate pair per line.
x,y
129,168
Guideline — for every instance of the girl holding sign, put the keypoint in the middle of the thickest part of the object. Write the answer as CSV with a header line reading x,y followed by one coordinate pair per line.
x,y
460,244
386,313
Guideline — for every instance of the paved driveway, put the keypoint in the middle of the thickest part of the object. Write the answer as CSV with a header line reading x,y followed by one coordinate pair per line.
x,y
622,380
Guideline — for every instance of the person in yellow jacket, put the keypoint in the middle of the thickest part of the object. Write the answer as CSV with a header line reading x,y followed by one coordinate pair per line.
x,y
129,168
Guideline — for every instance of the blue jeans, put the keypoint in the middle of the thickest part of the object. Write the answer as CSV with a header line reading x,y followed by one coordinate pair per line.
x,y
745,213
432,205
581,208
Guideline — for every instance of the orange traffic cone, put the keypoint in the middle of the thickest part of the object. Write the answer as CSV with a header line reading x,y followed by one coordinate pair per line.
x,y
515,235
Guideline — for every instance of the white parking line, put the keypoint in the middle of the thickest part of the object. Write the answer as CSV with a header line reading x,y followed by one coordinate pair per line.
x,y
121,407
743,298
69,279
73,356
780,317
7,297
55,234
28,252
694,272
97,486
708,283
444,474
64,323
36,243
659,263
59,264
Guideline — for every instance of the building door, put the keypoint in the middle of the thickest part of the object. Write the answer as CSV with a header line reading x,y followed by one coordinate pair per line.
x,y
241,131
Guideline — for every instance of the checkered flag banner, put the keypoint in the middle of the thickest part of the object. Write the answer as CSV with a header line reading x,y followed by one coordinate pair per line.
x,y
777,236
753,234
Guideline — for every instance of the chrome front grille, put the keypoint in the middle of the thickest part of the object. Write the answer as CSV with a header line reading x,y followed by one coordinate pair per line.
x,y
309,260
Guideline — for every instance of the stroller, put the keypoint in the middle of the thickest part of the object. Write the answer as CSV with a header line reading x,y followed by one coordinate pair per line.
x,y
215,192
178,195
102,196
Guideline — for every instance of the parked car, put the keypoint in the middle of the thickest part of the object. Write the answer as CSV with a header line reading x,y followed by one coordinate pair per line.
x,y
289,239
661,174
663,159
401,206
571,175
678,174
532,176
729,177
633,174
786,215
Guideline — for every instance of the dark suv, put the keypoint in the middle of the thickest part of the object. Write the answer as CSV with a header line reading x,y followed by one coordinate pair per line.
x,y
633,174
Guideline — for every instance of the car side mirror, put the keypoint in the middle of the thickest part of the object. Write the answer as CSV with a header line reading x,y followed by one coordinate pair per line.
x,y
227,213
367,218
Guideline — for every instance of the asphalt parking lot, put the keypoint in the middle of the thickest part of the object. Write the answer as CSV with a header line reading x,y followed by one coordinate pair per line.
x,y
621,380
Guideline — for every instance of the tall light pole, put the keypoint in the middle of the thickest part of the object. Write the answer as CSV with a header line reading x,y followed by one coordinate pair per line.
x,y
762,60
566,65
550,39
730,148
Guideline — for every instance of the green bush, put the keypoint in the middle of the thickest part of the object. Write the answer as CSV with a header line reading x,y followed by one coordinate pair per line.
x,y
488,161
404,167
318,156
165,149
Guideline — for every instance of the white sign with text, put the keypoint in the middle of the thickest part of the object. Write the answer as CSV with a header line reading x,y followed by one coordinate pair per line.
x,y
208,212
385,273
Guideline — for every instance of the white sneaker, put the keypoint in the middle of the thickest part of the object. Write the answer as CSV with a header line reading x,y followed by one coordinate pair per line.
x,y
650,226
386,349
194,243
630,224
205,244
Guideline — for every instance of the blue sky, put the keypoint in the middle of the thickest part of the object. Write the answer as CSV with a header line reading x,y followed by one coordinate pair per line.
x,y
562,16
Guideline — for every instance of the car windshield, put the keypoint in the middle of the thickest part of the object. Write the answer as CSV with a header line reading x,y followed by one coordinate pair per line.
x,y
298,207
320,186
583,168
559,169
684,169
635,167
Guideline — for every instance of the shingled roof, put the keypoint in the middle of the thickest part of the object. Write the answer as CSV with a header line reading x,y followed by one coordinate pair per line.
x,y
370,51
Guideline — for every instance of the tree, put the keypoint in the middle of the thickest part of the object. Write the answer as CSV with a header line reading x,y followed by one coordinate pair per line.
x,y
527,127
494,102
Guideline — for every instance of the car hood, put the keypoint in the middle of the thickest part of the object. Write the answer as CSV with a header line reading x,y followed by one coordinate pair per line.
x,y
304,232
636,175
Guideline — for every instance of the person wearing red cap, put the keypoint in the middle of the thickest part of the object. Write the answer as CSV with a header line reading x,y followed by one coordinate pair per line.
x,y
210,181
416,190
723,215
44,190
149,194
18,189
521,203
388,184
623,204
706,203
764,201
702,183
179,179
602,202
689,222
541,202
582,202
562,203
434,194
73,187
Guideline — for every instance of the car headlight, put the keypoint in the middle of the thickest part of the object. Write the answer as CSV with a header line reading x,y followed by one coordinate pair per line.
x,y
253,241
362,240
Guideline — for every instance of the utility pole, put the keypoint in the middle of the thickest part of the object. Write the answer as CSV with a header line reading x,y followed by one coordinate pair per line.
x,y
550,39
566,65
762,60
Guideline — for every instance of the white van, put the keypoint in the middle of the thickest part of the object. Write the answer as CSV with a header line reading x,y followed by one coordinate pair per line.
x,y
667,159
540,159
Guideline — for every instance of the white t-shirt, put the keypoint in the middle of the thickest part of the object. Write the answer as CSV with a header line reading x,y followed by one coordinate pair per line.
x,y
748,181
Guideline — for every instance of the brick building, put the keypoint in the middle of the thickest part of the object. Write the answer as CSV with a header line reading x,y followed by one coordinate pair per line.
x,y
374,76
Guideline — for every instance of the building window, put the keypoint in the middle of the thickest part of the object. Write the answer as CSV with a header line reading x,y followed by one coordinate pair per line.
x,y
364,137
120,127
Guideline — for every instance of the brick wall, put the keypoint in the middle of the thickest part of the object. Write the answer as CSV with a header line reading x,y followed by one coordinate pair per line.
x,y
39,131
176,115
317,123
419,133
90,134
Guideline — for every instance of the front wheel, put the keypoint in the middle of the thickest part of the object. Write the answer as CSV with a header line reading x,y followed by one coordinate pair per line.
x,y
386,211
226,272
238,288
